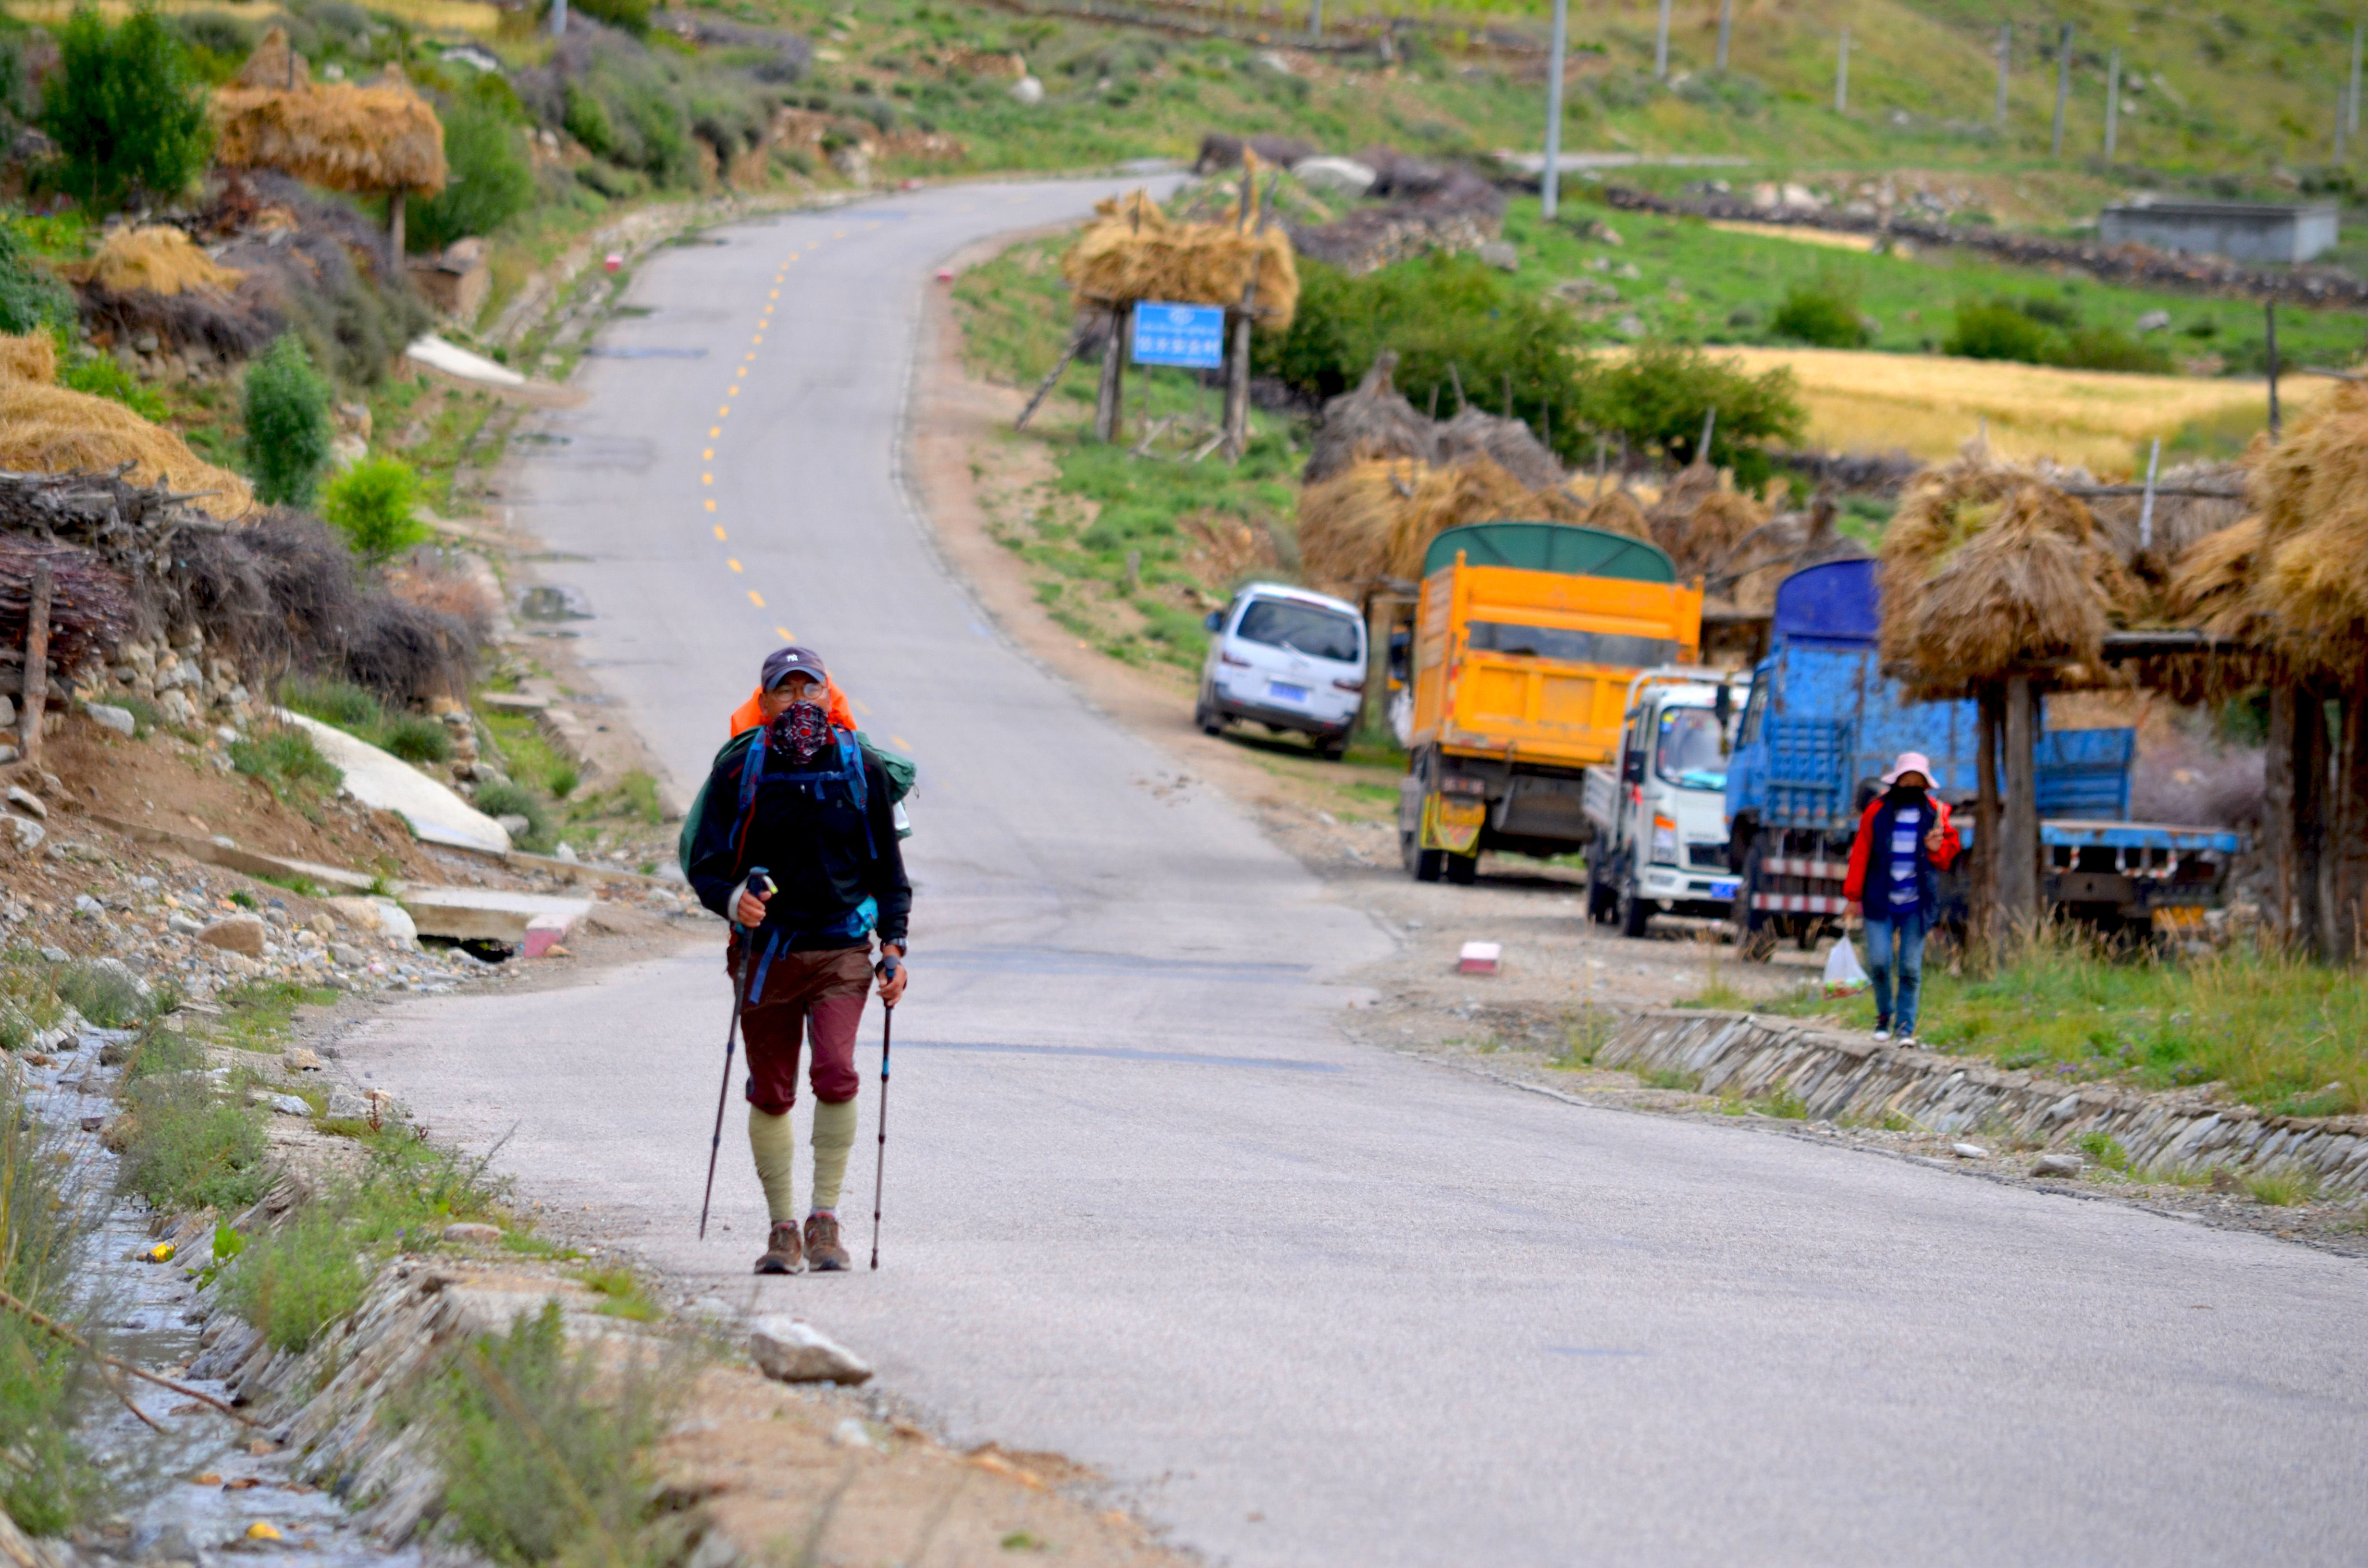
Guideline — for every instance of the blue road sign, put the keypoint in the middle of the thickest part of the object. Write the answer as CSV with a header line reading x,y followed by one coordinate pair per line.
x,y
1190,335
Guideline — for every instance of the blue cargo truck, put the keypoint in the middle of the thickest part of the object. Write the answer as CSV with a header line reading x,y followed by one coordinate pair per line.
x,y
1823,721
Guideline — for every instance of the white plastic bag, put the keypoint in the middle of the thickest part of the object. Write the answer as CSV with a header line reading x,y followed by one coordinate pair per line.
x,y
1844,975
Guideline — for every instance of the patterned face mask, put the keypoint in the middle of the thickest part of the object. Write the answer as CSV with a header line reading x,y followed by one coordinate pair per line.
x,y
800,733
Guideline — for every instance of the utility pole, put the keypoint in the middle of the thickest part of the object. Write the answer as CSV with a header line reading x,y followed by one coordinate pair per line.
x,y
1661,46
2113,103
558,18
1726,31
2005,52
1841,75
1315,18
1550,184
2352,94
2063,89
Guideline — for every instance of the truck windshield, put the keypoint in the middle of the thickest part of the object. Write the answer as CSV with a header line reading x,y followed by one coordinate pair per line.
x,y
1688,754
1307,628
1571,647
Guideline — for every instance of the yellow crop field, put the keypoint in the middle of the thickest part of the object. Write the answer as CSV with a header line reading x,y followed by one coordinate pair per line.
x,y
472,16
1929,405
1832,239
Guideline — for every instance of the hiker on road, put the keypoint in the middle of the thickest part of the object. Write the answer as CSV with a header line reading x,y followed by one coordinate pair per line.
x,y
1904,840
803,803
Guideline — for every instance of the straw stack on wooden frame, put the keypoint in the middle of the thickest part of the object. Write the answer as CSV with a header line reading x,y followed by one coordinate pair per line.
x,y
1988,569
337,134
44,429
1374,519
1135,251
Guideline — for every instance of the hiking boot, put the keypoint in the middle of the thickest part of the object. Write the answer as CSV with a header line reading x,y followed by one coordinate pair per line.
x,y
823,1253
782,1253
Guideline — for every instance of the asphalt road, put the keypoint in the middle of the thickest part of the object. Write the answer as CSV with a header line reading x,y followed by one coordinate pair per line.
x,y
1307,1301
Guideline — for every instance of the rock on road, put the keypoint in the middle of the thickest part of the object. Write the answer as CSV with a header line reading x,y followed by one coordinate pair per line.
x,y
1304,1302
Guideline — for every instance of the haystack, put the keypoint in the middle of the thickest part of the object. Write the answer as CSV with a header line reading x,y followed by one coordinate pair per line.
x,y
1374,519
337,134
2311,584
158,259
44,429
1988,569
1135,251
1374,421
1700,519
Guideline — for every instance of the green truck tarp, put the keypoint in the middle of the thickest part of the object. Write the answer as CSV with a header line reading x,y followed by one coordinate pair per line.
x,y
1551,547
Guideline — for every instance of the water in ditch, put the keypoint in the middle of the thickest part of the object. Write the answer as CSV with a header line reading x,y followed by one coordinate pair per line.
x,y
199,1487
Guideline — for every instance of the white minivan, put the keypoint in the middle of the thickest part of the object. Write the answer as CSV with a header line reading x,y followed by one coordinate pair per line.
x,y
1288,659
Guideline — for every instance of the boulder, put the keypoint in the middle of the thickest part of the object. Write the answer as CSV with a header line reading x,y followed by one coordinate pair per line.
x,y
793,1352
109,717
235,933
1334,176
470,1233
1027,90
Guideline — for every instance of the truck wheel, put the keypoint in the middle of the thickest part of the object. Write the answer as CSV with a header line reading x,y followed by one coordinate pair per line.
x,y
1755,930
1602,902
1462,870
1422,865
1635,913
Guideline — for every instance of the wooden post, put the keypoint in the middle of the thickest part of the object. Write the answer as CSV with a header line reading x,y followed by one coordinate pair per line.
x,y
1557,55
2270,344
1110,400
1238,370
35,696
2293,814
394,224
2005,54
2063,89
2113,105
1982,925
2018,858
1841,75
2345,843
1661,45
1726,31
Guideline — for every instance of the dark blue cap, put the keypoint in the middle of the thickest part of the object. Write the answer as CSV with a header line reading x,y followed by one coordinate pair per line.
x,y
783,662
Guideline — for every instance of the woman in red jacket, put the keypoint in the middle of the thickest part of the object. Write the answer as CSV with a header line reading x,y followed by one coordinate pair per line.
x,y
1905,839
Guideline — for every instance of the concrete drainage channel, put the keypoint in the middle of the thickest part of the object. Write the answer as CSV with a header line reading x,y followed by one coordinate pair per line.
x,y
1840,1076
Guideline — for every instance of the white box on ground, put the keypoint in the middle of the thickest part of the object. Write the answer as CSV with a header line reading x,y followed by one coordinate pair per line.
x,y
1479,957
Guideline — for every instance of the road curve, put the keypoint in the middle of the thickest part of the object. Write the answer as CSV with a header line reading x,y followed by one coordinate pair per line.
x,y
1306,1302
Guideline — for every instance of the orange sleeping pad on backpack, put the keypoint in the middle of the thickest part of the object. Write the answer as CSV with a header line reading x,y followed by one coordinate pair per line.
x,y
750,715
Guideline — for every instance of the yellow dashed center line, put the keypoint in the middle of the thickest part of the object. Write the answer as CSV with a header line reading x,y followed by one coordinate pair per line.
x,y
777,293
719,533
733,565
861,706
708,455
706,479
785,634
710,505
755,599
901,743
724,412
714,431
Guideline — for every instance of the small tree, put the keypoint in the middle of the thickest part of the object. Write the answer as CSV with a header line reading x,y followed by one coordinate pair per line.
x,y
375,503
125,110
30,299
490,181
288,431
1659,397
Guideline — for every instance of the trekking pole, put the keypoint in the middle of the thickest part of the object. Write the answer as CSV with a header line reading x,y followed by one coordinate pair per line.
x,y
879,1161
757,876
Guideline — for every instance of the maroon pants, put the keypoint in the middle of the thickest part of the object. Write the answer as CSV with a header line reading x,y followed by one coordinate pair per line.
x,y
818,993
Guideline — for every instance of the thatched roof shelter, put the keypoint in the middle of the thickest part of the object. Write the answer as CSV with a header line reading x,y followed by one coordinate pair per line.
x,y
44,429
384,137
1135,251
1990,570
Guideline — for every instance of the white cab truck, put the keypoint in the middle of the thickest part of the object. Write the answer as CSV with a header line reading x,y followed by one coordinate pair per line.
x,y
1659,808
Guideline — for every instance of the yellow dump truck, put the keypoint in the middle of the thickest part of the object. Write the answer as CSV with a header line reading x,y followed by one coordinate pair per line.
x,y
1513,676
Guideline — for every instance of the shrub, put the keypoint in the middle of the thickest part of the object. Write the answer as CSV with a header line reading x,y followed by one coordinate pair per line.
x,y
1822,314
543,1448
633,15
1996,329
294,1281
106,994
288,433
339,702
374,505
284,757
191,1148
416,738
2111,348
125,110
31,299
102,375
46,1482
1657,398
491,180
501,799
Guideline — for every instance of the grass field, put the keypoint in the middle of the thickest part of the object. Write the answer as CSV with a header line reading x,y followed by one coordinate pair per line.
x,y
2289,1037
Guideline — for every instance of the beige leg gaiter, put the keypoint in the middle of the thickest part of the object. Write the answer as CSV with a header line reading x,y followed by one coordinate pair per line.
x,y
774,1141
834,1135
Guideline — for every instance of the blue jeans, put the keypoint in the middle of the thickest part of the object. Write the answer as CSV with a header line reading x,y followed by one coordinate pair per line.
x,y
1909,926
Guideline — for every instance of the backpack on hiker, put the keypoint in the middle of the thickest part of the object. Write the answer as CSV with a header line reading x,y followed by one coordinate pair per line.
x,y
853,747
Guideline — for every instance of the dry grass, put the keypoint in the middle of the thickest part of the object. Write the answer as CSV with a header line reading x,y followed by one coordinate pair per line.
x,y
1828,238
1700,519
44,429
32,357
380,137
474,17
1135,251
1373,521
1929,405
2310,587
159,258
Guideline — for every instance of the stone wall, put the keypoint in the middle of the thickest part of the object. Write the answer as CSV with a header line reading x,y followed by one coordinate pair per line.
x,y
1841,1075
